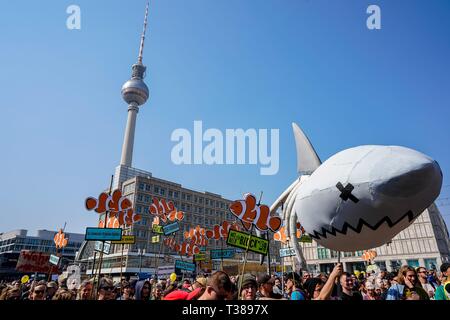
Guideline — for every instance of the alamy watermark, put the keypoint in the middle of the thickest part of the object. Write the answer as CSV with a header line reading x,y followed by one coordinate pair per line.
x,y
233,147
74,20
374,20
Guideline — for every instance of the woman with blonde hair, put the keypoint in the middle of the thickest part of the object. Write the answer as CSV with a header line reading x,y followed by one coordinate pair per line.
x,y
407,287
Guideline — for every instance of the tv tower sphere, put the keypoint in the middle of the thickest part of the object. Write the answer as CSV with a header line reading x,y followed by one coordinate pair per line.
x,y
135,91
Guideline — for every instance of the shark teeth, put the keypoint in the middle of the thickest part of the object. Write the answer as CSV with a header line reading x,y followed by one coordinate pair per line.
x,y
361,223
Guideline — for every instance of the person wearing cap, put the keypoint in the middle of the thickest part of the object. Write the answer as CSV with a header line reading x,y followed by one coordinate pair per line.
x,y
265,288
248,288
52,287
443,291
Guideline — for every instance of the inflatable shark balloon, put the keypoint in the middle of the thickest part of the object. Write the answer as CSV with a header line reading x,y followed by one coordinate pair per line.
x,y
360,198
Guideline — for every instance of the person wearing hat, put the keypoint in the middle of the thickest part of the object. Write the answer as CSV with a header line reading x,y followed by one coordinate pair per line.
x,y
248,287
265,288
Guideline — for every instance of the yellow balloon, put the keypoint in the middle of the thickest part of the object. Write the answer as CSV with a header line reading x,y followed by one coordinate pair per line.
x,y
173,277
357,273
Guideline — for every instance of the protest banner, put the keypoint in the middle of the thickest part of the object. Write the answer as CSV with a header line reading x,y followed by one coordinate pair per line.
x,y
217,254
33,261
103,234
125,240
171,228
246,241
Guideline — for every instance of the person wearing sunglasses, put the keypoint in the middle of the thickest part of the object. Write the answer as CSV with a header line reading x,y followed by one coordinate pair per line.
x,y
422,274
106,289
38,292
218,287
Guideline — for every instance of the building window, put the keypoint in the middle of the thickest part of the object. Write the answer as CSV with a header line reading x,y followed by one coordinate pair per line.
x,y
195,199
148,187
207,202
188,207
430,264
176,194
183,196
395,265
162,192
128,188
413,263
188,197
170,193
147,199
200,200
156,189
141,186
138,209
140,197
200,210
323,253
183,206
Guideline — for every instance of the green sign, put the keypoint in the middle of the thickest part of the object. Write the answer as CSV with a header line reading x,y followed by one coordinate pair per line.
x,y
157,229
155,239
242,240
305,238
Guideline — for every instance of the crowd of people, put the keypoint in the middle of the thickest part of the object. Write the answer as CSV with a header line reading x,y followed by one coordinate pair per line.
x,y
408,284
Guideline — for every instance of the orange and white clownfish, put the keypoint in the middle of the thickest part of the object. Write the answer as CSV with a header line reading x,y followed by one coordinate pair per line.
x,y
250,213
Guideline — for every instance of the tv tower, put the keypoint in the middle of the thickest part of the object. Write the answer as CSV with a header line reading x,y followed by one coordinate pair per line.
x,y
135,93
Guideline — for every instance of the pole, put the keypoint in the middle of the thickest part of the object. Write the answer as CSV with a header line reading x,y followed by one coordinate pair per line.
x,y
245,260
121,263
157,258
268,250
221,245
103,244
282,275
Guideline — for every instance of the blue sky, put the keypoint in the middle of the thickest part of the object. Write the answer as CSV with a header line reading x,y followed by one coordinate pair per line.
x,y
232,64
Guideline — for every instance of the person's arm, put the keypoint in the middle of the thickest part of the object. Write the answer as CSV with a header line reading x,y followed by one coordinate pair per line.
x,y
325,293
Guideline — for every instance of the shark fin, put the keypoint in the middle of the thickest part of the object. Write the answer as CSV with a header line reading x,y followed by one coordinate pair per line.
x,y
307,158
